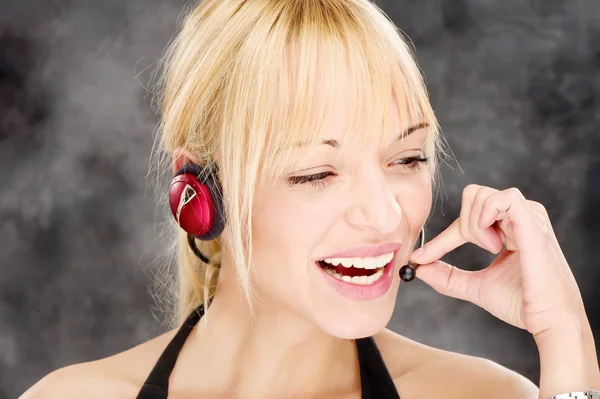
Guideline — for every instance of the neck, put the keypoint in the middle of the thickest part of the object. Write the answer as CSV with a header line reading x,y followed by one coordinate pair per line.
x,y
275,354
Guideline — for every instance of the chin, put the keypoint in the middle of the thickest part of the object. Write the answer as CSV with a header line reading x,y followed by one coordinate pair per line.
x,y
358,321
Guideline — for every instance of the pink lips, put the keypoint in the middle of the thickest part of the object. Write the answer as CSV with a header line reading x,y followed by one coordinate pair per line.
x,y
372,250
361,292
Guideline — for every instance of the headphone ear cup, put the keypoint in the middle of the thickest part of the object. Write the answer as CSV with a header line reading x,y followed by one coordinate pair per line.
x,y
216,194
195,201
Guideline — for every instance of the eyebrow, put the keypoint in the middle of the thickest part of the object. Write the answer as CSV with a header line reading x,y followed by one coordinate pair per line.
x,y
336,144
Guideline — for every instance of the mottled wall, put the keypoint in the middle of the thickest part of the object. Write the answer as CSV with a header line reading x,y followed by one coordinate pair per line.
x,y
516,85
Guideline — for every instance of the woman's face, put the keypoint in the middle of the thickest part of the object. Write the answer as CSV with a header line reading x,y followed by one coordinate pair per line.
x,y
366,205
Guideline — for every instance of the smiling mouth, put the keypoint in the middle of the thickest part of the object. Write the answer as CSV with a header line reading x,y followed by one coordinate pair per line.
x,y
351,274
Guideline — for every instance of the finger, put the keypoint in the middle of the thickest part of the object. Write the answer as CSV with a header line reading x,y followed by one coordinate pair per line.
x,y
488,237
469,197
541,216
452,281
440,245
506,239
449,239
529,238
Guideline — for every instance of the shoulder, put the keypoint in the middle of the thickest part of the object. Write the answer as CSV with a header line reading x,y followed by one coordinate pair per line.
x,y
117,376
86,380
414,366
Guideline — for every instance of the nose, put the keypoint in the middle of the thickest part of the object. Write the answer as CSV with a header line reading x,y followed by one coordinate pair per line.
x,y
374,204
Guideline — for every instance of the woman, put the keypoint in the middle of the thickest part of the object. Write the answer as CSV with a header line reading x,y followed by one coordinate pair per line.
x,y
305,128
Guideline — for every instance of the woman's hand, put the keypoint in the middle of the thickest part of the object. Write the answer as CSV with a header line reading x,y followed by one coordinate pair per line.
x,y
529,284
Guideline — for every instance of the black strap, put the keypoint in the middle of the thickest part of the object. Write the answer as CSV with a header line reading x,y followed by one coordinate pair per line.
x,y
157,383
375,379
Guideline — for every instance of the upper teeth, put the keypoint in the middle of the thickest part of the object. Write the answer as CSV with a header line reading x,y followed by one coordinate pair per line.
x,y
363,263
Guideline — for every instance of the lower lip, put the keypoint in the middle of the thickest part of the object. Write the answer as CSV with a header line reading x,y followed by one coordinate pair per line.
x,y
361,292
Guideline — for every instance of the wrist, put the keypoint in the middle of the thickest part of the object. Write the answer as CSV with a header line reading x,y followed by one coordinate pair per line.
x,y
568,360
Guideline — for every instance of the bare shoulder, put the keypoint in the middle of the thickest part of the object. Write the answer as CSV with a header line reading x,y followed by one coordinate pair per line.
x,y
421,371
117,376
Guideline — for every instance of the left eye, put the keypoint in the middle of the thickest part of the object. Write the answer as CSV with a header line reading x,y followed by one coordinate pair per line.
x,y
318,179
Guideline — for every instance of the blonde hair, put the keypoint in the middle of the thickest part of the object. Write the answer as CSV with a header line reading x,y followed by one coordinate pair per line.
x,y
245,80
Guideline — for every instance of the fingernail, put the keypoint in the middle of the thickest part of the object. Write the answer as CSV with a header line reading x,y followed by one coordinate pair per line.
x,y
417,253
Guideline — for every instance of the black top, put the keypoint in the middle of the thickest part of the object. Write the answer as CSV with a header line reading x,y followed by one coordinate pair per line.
x,y
375,379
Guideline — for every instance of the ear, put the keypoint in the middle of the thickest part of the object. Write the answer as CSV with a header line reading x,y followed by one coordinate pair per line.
x,y
181,156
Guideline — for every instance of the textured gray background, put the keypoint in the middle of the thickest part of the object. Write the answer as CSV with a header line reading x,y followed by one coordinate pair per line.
x,y
515,84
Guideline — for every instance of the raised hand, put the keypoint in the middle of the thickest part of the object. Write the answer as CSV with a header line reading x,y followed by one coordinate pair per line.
x,y
529,284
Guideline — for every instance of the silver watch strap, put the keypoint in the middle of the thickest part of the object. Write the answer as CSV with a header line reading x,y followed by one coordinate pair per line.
x,y
578,395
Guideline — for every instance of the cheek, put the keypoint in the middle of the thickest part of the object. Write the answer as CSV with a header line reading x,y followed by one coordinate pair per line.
x,y
297,216
419,198
286,230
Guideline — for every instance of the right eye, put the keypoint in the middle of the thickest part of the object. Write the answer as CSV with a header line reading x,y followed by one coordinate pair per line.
x,y
315,180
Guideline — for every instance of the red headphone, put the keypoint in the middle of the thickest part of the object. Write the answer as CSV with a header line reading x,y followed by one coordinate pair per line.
x,y
195,197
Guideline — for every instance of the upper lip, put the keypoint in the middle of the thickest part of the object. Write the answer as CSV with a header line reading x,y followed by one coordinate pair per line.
x,y
367,251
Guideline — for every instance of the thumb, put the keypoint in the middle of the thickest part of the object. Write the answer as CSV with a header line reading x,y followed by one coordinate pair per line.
x,y
451,281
